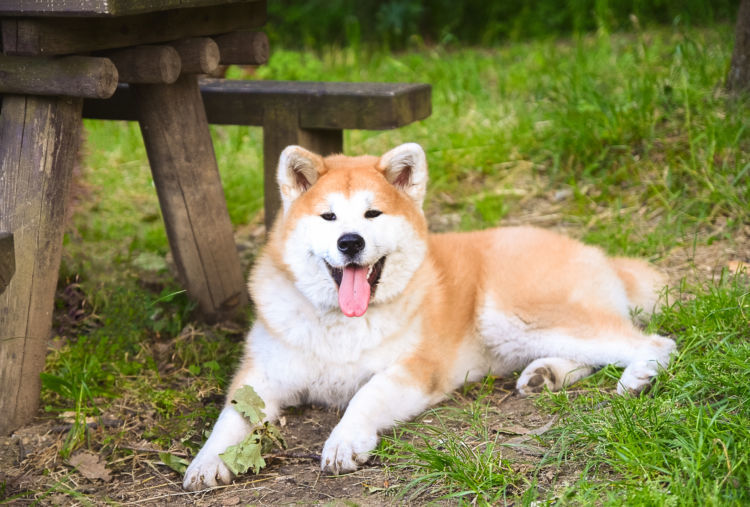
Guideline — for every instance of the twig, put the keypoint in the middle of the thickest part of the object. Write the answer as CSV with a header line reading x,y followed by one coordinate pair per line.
x,y
295,455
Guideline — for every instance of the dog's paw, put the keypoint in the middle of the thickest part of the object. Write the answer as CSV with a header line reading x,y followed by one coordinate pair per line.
x,y
344,451
637,377
535,380
207,470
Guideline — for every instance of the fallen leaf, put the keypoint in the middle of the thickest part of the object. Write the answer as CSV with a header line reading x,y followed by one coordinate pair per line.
x,y
536,432
232,500
246,455
177,464
248,403
90,465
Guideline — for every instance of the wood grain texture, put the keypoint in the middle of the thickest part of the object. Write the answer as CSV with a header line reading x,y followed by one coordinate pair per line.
x,y
186,175
738,78
146,64
199,55
243,47
280,129
60,36
73,76
7,259
99,7
367,106
38,144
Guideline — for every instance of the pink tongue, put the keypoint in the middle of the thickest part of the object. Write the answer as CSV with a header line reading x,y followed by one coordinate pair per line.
x,y
354,292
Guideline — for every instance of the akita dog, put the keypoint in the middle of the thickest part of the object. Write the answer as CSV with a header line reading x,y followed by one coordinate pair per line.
x,y
358,306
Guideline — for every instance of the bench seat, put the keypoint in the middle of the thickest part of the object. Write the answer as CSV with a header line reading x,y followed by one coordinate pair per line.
x,y
309,114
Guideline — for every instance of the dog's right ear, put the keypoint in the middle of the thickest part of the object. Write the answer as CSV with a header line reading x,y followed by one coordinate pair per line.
x,y
298,170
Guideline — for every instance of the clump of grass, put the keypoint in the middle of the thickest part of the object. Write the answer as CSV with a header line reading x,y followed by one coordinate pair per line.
x,y
448,459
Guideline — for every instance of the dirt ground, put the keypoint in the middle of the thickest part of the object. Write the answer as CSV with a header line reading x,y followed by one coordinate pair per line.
x,y
31,470
29,462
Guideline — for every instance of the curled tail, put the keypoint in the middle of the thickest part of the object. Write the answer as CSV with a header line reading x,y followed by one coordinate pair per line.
x,y
643,285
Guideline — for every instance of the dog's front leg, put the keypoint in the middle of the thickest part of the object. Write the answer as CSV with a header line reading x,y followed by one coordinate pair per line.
x,y
207,468
388,398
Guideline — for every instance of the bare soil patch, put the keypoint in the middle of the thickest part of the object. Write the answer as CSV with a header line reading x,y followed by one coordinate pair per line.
x,y
33,471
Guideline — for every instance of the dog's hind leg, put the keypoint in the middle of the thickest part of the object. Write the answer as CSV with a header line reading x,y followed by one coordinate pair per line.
x,y
566,354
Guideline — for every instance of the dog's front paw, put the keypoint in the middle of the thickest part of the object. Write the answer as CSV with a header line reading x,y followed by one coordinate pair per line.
x,y
207,470
345,450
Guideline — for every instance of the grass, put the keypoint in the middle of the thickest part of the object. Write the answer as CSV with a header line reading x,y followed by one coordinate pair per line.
x,y
626,140
688,440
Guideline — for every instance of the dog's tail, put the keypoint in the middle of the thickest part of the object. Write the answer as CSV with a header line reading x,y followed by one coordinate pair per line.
x,y
643,285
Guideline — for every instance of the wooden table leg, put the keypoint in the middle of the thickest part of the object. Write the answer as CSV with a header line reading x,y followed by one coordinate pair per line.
x,y
186,175
38,143
280,129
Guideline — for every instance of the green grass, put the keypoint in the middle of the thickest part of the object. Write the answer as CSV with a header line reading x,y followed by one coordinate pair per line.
x,y
648,156
688,440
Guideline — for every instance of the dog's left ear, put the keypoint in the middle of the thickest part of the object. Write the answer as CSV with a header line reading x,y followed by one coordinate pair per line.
x,y
405,167
298,170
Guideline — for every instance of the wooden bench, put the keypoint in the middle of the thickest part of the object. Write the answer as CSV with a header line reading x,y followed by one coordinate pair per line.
x,y
310,114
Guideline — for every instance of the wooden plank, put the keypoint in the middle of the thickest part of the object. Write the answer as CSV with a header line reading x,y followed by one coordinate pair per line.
x,y
7,259
279,131
59,36
99,7
186,175
146,64
367,106
199,55
38,144
73,76
243,47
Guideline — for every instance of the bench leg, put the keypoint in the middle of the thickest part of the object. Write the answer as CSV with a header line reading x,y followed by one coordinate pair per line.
x,y
280,129
186,175
38,144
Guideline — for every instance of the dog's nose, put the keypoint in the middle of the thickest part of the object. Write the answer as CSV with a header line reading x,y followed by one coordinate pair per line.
x,y
351,244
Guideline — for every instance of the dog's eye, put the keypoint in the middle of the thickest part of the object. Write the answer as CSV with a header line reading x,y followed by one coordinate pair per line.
x,y
372,213
328,216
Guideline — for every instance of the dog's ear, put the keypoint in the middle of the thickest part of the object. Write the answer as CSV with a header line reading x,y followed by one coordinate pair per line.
x,y
405,167
298,170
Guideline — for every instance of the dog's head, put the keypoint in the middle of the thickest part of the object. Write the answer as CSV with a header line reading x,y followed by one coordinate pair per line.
x,y
352,231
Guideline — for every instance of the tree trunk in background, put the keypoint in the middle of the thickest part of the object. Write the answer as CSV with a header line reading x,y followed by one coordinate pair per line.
x,y
739,72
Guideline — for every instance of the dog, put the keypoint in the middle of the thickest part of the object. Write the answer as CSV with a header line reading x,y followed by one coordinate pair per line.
x,y
359,307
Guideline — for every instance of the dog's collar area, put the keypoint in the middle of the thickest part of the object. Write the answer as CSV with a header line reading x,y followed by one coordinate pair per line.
x,y
373,274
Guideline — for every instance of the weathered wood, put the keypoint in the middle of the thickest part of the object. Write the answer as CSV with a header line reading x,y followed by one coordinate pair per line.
x,y
38,143
367,106
146,64
738,78
74,76
280,129
7,259
309,114
59,36
243,48
199,55
186,175
99,7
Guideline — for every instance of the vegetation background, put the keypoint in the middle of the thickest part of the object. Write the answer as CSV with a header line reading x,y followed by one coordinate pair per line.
x,y
606,120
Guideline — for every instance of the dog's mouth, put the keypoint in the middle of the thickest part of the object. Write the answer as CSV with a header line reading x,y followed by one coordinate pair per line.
x,y
356,286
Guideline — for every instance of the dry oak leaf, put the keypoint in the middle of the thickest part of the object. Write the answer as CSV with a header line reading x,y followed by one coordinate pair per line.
x,y
90,465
